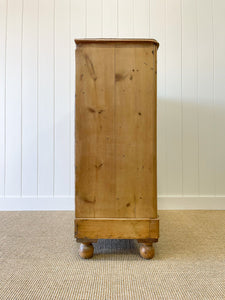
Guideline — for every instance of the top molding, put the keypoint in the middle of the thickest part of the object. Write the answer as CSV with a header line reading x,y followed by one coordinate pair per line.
x,y
80,41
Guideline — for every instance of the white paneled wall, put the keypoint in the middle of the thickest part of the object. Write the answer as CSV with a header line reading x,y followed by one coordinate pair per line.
x,y
37,75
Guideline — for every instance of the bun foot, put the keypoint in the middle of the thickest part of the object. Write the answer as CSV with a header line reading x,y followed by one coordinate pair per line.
x,y
86,250
147,251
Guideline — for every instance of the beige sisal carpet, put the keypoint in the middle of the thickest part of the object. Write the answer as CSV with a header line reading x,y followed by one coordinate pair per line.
x,y
39,260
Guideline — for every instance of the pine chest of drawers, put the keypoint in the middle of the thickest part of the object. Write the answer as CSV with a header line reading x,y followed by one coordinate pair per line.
x,y
115,141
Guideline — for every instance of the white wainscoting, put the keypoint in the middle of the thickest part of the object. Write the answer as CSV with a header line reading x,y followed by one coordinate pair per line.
x,y
37,75
172,202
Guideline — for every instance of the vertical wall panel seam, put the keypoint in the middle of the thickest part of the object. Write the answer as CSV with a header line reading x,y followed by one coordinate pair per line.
x,y
149,13
53,190
114,120
181,98
213,94
6,38
163,112
21,102
165,102
133,30
197,93
70,99
101,18
37,104
85,18
117,18
196,98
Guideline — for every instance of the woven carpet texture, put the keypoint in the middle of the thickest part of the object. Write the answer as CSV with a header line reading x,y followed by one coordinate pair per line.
x,y
39,259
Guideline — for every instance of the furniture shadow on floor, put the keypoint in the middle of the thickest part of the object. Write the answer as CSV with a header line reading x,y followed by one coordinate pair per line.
x,y
118,249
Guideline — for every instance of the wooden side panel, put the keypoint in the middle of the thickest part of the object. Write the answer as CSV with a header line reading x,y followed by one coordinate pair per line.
x,y
158,30
95,177
135,88
117,228
116,131
125,131
77,25
146,132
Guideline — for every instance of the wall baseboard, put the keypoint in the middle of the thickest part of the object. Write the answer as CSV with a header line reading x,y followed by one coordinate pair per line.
x,y
206,202
16,203
167,202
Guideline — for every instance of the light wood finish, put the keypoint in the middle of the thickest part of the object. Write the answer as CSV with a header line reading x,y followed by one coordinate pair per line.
x,y
117,228
116,179
147,251
135,123
86,250
95,178
85,240
108,41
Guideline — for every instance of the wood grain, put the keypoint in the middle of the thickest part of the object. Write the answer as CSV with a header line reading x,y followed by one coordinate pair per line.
x,y
117,228
145,132
108,41
116,180
125,131
95,178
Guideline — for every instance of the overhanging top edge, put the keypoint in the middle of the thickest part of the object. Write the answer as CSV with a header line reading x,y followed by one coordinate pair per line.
x,y
81,41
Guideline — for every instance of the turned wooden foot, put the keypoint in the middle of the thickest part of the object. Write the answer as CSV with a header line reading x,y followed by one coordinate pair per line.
x,y
86,250
147,251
